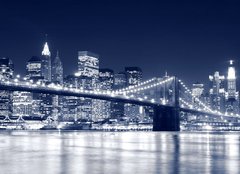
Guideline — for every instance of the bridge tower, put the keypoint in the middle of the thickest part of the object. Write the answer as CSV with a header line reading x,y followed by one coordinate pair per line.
x,y
168,118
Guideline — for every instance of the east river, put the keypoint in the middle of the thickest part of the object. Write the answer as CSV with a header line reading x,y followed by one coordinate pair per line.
x,y
54,152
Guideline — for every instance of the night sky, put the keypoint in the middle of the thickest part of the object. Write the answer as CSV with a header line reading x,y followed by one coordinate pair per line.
x,y
190,39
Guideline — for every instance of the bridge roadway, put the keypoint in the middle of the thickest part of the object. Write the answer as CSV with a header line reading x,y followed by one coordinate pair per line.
x,y
171,112
96,95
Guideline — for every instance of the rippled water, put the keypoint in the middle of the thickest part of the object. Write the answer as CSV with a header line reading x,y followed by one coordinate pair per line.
x,y
119,152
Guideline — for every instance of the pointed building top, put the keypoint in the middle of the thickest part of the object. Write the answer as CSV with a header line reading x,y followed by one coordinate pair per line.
x,y
46,51
57,55
231,62
166,74
57,59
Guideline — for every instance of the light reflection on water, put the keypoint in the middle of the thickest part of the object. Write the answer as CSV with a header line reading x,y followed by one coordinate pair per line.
x,y
118,152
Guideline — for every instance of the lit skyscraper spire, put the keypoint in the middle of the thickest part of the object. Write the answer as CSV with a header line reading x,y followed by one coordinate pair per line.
x,y
45,51
46,62
232,103
231,71
231,78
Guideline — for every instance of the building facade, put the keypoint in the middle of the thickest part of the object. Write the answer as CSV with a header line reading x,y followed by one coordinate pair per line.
x,y
217,91
232,96
46,63
57,70
6,73
134,77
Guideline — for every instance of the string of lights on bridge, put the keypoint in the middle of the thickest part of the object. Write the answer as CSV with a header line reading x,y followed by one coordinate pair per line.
x,y
126,92
187,90
143,86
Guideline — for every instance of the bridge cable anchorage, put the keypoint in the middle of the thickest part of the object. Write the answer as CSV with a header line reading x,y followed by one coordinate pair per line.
x,y
187,90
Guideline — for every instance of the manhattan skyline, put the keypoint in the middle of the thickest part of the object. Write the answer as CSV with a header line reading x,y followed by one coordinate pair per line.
x,y
158,37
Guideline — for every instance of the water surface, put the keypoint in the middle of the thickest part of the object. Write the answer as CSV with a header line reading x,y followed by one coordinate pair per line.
x,y
54,152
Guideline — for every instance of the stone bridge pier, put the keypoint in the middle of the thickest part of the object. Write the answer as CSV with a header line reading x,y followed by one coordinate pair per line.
x,y
166,119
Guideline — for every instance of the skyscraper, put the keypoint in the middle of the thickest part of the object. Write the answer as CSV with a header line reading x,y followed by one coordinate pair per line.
x,y
6,73
70,103
46,63
22,103
231,82
46,99
197,91
88,65
217,91
57,70
117,108
33,72
232,97
34,69
88,68
134,77
102,109
57,78
120,80
106,79
6,68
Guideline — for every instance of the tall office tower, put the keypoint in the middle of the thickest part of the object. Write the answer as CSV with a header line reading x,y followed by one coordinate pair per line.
x,y
6,73
217,92
231,82
232,104
88,68
134,77
70,103
88,65
102,109
46,107
33,72
117,108
106,79
57,70
197,91
46,63
34,69
22,103
57,78
120,80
